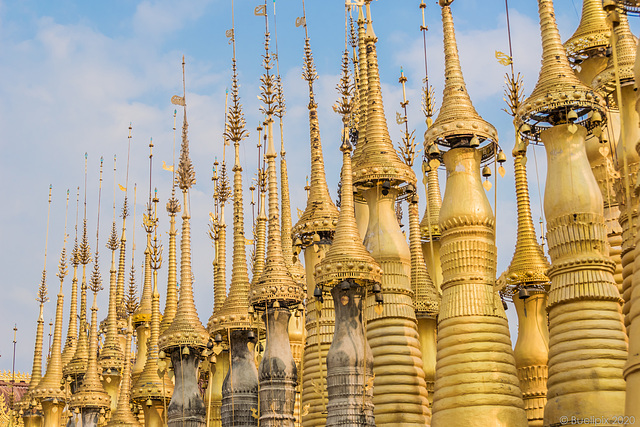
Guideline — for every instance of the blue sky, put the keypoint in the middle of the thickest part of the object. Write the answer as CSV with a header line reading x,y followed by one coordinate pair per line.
x,y
76,73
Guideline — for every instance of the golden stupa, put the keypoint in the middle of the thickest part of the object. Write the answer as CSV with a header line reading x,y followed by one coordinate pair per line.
x,y
342,317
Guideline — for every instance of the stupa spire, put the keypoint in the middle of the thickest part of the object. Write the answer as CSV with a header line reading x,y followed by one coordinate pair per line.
x,y
91,398
361,83
458,121
111,356
233,323
320,214
314,233
123,239
72,331
558,90
77,366
49,391
186,338
275,293
36,370
378,159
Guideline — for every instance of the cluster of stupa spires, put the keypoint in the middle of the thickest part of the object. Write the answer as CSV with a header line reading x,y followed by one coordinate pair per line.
x,y
415,331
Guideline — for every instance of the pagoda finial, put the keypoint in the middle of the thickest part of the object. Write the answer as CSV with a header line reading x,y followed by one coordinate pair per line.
x,y
458,123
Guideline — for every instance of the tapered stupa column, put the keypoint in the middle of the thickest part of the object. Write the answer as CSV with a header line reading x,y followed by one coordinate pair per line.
x,y
400,395
349,272
587,343
313,233
77,366
153,388
232,323
49,392
186,338
72,331
142,316
362,88
528,285
29,405
276,294
111,356
470,311
171,301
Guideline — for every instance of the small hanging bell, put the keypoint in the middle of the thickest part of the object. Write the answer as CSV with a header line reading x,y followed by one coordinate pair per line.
x,y
386,186
217,338
501,157
251,336
486,171
475,141
523,293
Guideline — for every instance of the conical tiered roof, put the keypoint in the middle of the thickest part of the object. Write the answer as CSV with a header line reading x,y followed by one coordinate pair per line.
x,y
378,159
458,121
592,35
558,89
